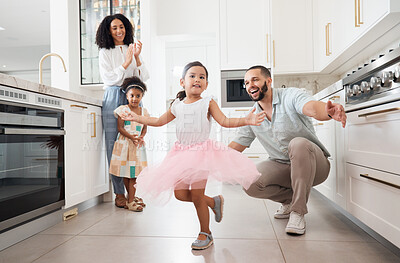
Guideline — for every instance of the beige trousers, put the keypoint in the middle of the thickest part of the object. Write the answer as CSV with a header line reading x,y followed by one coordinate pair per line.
x,y
292,183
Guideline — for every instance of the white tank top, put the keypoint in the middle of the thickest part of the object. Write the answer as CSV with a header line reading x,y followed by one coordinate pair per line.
x,y
192,124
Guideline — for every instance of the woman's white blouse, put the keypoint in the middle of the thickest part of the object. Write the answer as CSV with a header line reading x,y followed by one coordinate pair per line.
x,y
111,70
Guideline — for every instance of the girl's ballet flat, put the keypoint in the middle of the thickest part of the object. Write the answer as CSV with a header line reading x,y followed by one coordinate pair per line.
x,y
218,207
203,244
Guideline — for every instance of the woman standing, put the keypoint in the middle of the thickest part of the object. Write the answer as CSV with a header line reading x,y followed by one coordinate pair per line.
x,y
119,58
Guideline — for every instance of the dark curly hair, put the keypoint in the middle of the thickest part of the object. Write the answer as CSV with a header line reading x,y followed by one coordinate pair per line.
x,y
133,83
103,35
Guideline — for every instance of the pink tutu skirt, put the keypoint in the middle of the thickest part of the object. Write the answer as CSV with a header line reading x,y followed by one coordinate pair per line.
x,y
188,166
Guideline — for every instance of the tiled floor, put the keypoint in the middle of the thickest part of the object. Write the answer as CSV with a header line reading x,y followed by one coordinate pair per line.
x,y
248,233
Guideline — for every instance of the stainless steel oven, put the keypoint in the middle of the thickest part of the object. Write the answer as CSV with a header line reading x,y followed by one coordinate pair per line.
x,y
373,111
31,159
233,92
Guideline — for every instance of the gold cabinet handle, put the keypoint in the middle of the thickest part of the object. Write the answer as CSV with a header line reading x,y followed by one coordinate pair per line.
x,y
253,157
94,124
78,106
334,97
273,51
267,50
242,109
326,40
355,14
378,112
328,26
318,124
359,13
379,181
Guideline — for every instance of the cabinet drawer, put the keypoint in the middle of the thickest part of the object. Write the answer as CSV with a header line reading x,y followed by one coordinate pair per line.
x,y
375,203
372,137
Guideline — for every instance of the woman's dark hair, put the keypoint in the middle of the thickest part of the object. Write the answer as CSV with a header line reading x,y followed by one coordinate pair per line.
x,y
133,83
182,94
103,35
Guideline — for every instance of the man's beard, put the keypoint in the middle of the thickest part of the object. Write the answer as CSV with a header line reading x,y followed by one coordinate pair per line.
x,y
264,90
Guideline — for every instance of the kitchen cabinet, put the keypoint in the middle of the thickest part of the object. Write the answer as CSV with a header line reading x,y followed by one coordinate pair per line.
x,y
256,151
292,36
373,167
351,30
326,33
86,173
92,13
244,34
331,134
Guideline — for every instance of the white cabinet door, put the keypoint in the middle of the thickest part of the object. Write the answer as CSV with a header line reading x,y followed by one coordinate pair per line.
x,y
256,151
331,134
244,33
361,15
86,174
292,43
77,182
328,28
96,153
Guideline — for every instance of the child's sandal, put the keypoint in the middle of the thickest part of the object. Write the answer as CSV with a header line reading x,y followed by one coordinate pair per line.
x,y
134,207
139,201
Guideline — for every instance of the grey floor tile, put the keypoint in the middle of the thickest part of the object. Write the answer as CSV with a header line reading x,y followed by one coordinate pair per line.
x,y
176,250
327,252
32,248
83,220
247,233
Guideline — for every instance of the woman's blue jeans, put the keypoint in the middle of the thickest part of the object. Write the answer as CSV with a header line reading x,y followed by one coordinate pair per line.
x,y
112,99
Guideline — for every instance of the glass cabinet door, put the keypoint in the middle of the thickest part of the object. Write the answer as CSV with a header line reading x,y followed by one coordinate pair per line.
x,y
92,13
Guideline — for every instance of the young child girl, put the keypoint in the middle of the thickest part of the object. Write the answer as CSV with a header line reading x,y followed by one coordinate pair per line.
x,y
128,156
194,157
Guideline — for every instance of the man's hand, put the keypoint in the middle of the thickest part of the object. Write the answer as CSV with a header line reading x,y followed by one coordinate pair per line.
x,y
255,119
336,111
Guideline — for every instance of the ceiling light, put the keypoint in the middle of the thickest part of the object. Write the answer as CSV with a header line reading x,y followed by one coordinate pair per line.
x,y
4,66
2,28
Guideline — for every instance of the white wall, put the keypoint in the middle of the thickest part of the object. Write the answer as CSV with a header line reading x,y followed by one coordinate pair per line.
x,y
186,16
65,41
165,24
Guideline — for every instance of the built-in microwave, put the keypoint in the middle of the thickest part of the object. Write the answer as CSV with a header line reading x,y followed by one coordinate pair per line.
x,y
233,91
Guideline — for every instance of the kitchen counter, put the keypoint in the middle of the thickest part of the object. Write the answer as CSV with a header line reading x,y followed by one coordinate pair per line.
x,y
14,82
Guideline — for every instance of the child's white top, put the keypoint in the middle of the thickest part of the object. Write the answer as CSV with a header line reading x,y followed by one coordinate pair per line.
x,y
192,124
111,70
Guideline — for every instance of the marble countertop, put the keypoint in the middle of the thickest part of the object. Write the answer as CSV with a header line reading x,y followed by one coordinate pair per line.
x,y
14,82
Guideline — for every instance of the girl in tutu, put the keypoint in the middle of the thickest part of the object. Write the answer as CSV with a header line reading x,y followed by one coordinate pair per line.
x,y
195,158
129,156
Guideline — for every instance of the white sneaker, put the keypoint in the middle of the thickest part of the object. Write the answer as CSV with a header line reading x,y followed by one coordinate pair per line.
x,y
283,211
296,224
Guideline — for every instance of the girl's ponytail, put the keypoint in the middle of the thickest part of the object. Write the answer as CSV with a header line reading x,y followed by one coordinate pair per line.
x,y
181,95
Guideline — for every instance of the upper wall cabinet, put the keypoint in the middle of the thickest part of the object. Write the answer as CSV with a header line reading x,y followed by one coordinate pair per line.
x,y
345,31
292,44
92,13
244,34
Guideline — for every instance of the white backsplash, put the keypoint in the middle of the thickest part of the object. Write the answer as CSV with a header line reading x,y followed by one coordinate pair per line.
x,y
311,83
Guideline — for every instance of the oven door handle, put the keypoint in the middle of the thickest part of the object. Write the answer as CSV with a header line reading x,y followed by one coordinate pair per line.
x,y
31,131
